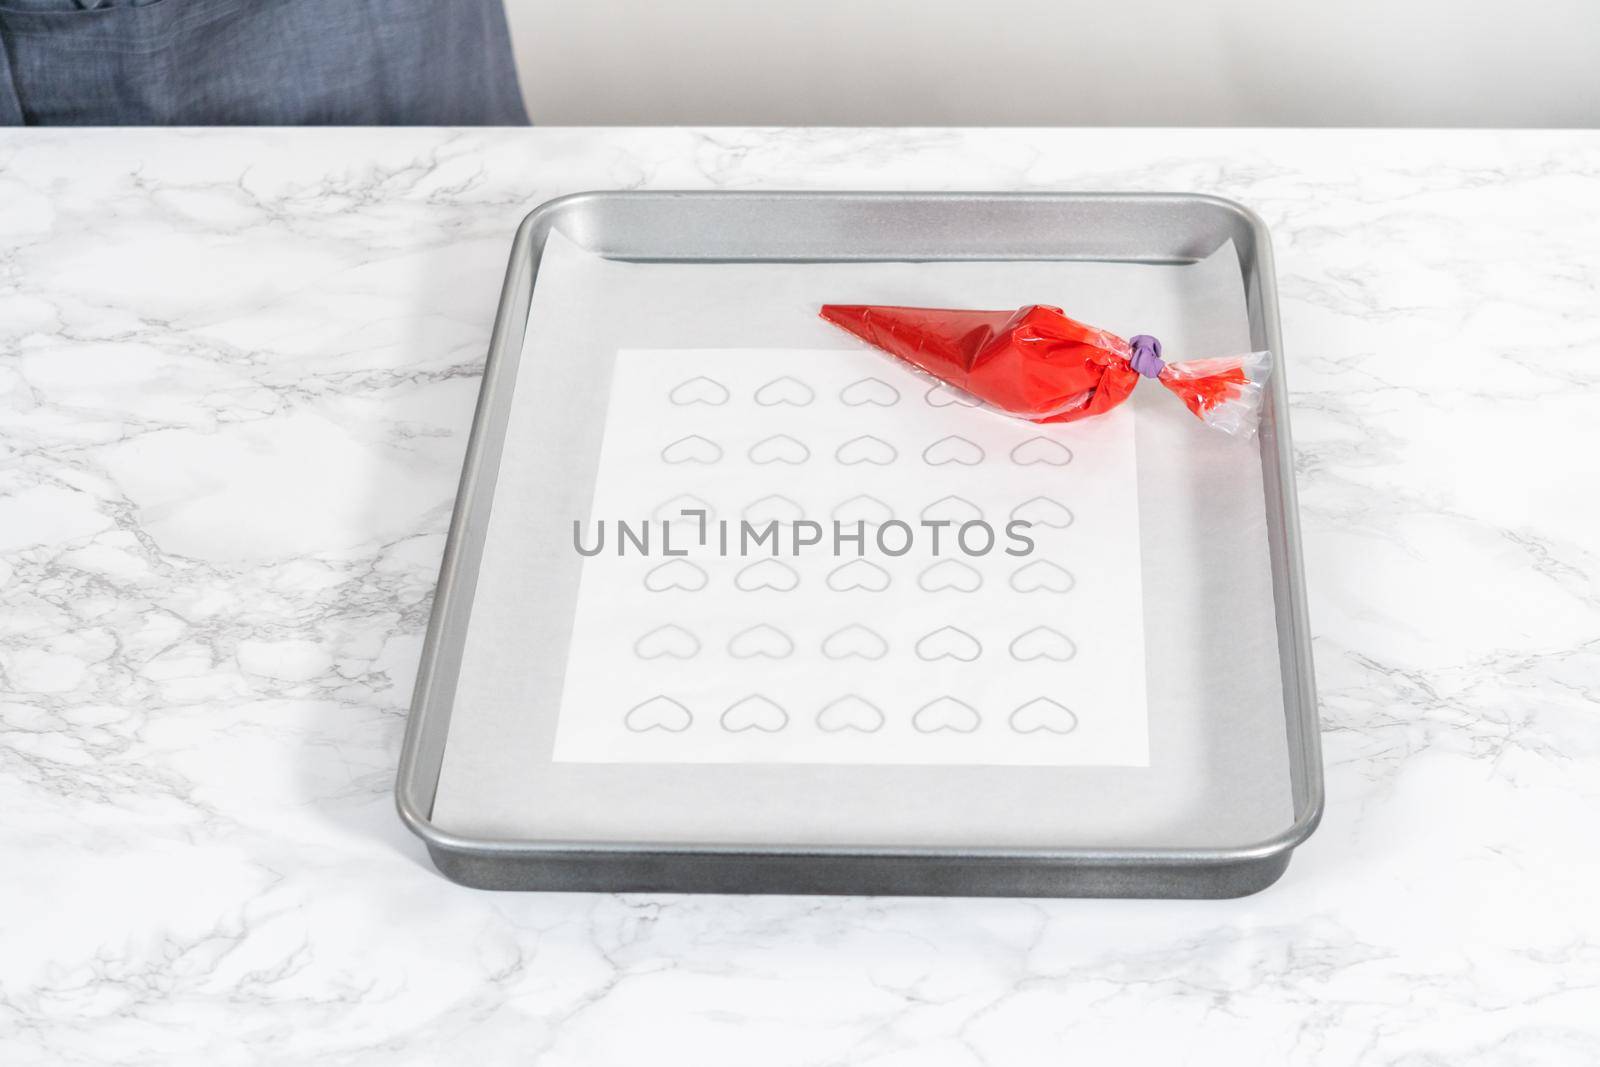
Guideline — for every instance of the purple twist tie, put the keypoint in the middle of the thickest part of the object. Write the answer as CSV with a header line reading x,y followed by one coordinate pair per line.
x,y
1146,358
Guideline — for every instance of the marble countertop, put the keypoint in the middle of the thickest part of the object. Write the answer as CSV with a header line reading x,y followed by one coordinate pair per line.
x,y
237,369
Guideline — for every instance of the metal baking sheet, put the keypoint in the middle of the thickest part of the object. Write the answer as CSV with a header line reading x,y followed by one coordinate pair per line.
x,y
711,234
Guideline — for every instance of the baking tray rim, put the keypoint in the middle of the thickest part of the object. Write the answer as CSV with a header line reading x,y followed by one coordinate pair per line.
x,y
1305,756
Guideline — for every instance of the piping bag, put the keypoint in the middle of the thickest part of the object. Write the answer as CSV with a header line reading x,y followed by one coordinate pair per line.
x,y
1037,364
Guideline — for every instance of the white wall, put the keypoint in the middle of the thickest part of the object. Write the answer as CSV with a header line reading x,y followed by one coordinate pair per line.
x,y
1027,62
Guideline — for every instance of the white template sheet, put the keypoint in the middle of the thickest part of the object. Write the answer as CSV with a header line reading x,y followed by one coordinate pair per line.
x,y
821,556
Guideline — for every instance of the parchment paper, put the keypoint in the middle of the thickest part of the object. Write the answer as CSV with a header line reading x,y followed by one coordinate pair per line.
x,y
1216,770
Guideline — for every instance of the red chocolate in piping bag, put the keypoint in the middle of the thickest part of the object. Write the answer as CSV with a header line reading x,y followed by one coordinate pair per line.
x,y
1037,364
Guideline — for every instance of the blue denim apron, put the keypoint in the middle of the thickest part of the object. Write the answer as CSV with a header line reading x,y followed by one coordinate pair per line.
x,y
257,63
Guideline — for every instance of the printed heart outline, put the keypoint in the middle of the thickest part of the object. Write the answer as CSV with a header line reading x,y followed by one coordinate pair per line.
x,y
961,509
865,501
1042,713
948,642
859,574
779,448
869,390
785,389
698,390
867,448
953,448
668,641
771,574
761,641
754,712
664,577
850,712
855,641
658,713
950,574
1053,513
692,449
942,396
792,509
946,714
1042,642
1040,449
1042,576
